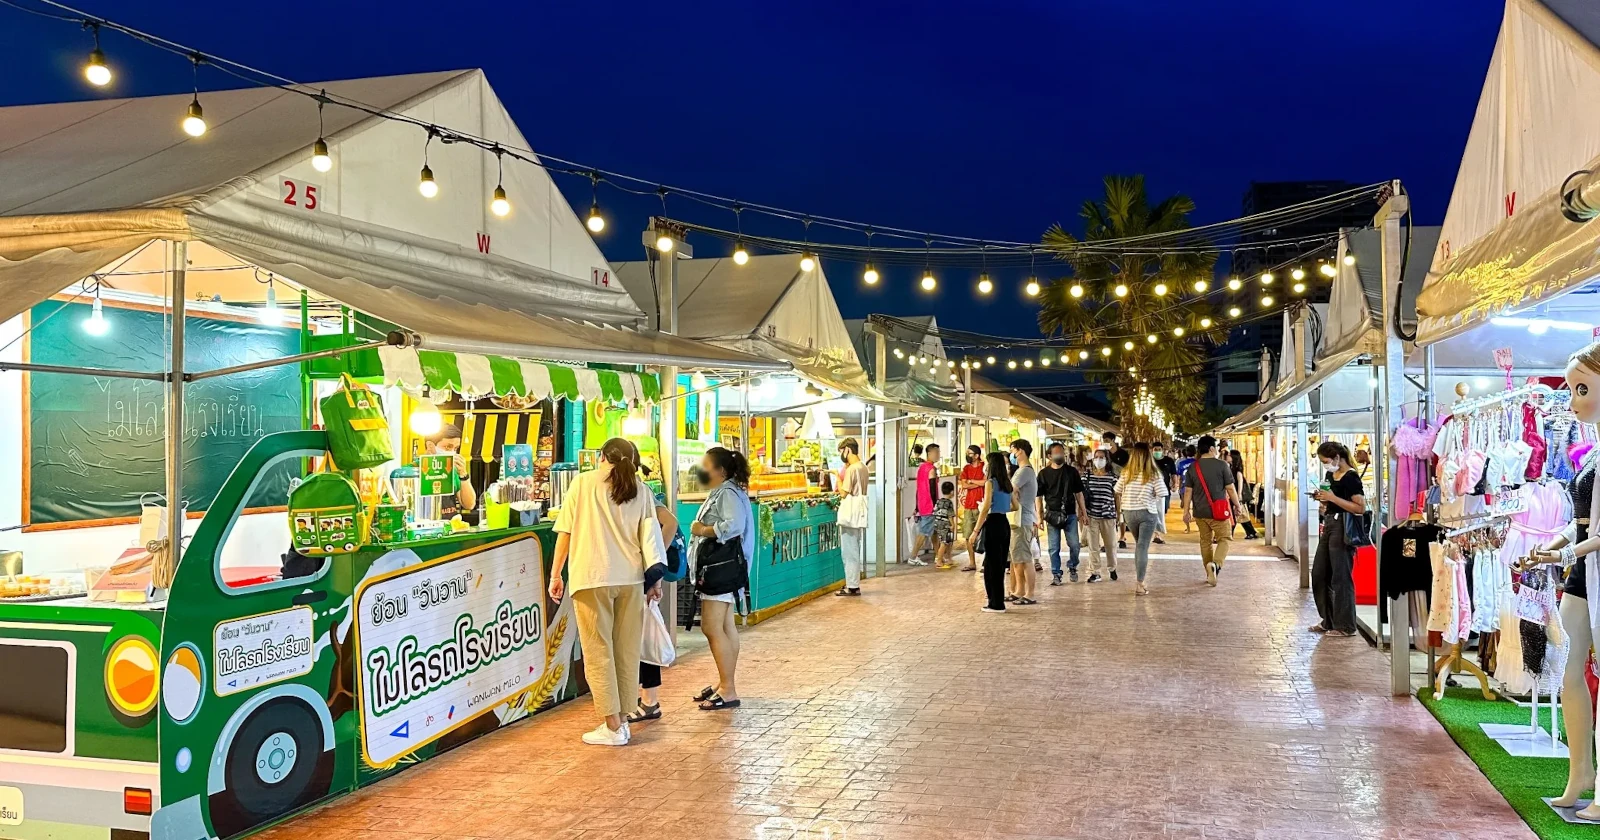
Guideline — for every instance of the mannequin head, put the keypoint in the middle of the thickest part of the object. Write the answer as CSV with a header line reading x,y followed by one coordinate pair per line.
x,y
1583,377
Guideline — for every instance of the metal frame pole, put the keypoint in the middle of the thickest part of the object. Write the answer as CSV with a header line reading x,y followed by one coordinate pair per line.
x,y
1389,397
175,425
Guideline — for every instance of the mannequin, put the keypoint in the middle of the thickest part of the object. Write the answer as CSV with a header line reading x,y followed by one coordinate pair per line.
x,y
1575,546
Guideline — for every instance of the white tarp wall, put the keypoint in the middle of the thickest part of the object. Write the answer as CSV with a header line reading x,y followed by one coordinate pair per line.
x,y
1504,244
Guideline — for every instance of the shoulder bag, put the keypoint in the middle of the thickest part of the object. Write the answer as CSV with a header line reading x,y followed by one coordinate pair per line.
x,y
1220,508
720,566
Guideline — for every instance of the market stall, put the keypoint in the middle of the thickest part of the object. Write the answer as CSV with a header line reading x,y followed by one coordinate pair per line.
x,y
209,685
789,425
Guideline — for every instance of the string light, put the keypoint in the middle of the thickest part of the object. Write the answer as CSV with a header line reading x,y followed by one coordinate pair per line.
x,y
989,360
1299,288
1349,259
1201,285
1027,363
1152,338
985,285
1065,358
425,183
807,261
1205,323
1011,364
1297,274
1121,290
1084,354
949,363
96,70
976,365
320,159
1105,351
870,276
1076,290
1266,279
928,281
1233,311
1127,345
1160,289
1328,270
597,223
1266,300
1033,287
1235,284
1045,361
1177,331
271,314
899,354
664,244
194,123
740,255
500,206
965,365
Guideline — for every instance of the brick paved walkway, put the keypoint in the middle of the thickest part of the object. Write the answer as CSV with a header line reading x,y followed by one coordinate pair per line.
x,y
907,713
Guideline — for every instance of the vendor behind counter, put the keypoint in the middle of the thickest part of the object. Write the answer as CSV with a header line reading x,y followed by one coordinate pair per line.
x,y
475,475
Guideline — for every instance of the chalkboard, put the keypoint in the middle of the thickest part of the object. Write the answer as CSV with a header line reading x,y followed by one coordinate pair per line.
x,y
96,444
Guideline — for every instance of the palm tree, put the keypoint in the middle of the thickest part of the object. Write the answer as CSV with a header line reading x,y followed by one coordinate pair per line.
x,y
1160,299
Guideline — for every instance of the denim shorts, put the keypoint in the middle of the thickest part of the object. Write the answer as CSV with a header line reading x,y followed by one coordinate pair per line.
x,y
925,525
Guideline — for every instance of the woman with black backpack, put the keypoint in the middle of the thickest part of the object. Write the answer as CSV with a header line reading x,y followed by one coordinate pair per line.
x,y
724,532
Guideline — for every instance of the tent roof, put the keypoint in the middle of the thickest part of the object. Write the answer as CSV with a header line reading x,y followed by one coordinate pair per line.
x,y
767,307
1505,245
83,184
912,335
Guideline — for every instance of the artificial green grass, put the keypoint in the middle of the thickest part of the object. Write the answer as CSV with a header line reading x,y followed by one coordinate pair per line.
x,y
1524,782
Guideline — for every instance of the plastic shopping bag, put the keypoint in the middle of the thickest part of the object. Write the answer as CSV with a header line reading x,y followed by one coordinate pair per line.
x,y
656,648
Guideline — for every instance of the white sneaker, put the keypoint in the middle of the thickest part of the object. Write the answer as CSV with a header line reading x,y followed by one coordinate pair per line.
x,y
916,561
605,736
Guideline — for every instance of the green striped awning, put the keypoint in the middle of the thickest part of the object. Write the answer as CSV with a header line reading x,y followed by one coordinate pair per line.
x,y
476,376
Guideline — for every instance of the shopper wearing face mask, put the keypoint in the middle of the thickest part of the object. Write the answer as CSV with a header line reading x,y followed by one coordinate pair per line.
x,y
1169,481
1210,482
1333,584
1102,509
1061,502
852,508
971,486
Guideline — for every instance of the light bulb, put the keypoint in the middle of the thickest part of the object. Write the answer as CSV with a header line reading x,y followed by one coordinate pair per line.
x,y
96,70
1328,270
194,124
664,243
899,354
1152,338
1027,363
1133,369
271,314
949,363
1160,289
807,262
870,276
596,222
1235,284
1205,323
1177,331
1201,285
1084,354
1121,290
1127,345
933,371
954,378
965,365
1299,288
985,285
1266,300
1266,278
425,420
1349,259
1065,359
928,283
1105,351
1076,290
425,183
500,206
1045,361
989,360
1298,274
1011,364
635,424
320,160
1033,287
976,365
1233,312
96,323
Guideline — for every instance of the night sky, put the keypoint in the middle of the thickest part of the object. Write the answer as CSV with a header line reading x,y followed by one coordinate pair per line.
x,y
984,120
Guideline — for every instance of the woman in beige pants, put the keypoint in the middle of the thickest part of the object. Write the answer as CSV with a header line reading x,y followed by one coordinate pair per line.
x,y
607,527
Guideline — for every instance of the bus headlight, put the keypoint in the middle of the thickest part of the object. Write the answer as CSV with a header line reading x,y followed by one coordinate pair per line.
x,y
131,676
183,683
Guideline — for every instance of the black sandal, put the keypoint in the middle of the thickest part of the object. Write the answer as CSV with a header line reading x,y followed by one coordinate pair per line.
x,y
716,703
705,693
643,713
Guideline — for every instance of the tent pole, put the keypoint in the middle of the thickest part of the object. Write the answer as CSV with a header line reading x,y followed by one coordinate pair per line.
x,y
1387,399
174,454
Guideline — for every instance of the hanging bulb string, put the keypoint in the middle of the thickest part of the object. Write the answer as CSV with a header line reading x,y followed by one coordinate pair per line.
x,y
255,76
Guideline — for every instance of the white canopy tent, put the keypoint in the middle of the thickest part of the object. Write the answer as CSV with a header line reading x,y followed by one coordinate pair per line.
x,y
1506,247
87,183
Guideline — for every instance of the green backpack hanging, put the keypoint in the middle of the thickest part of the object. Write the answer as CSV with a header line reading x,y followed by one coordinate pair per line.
x,y
326,515
358,434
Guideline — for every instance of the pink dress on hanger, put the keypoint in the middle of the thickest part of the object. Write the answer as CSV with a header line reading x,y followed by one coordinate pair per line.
x,y
1549,510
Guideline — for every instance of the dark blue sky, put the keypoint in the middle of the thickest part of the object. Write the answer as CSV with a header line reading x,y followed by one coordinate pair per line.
x,y
979,119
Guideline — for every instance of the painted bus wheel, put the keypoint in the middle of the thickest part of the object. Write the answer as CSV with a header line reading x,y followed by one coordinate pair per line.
x,y
274,765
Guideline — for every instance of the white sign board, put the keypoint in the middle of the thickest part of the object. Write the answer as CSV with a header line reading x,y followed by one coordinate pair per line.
x,y
442,643
261,650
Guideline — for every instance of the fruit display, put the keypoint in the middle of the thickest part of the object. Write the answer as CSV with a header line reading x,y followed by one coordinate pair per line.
x,y
802,452
775,482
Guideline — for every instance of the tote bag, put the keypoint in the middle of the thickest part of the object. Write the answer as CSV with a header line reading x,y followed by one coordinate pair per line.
x,y
853,512
358,434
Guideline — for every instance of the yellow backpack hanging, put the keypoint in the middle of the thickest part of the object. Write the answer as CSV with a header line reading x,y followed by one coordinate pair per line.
x,y
358,432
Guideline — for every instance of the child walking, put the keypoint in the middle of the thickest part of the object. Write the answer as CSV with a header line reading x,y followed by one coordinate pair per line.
x,y
944,532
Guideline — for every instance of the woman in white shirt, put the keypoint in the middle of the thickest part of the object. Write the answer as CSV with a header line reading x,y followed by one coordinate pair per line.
x,y
1139,488
607,527
724,515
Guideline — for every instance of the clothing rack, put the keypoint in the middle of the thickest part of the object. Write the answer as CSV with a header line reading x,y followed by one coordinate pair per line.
x,y
1468,406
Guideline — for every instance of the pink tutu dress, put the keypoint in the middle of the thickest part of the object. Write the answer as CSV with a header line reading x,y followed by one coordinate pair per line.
x,y
1549,510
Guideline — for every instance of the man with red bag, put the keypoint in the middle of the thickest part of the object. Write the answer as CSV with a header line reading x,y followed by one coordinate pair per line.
x,y
1208,500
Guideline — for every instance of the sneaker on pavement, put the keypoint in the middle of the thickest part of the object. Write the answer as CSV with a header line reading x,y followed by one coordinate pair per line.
x,y
1113,574
1055,579
1074,575
989,609
1122,543
605,736
1093,579
1211,574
